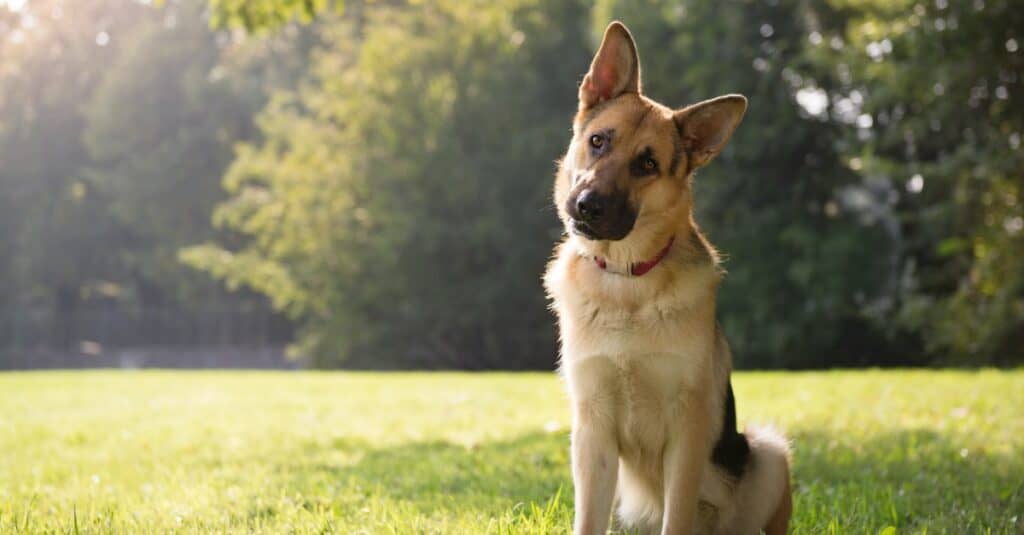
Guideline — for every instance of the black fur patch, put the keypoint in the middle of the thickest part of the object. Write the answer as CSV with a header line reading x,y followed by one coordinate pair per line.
x,y
732,451
636,167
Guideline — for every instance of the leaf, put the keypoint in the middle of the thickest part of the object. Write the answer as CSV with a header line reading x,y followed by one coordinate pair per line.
x,y
952,246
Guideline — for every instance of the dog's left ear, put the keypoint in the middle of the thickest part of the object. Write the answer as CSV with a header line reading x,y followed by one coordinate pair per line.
x,y
706,127
615,69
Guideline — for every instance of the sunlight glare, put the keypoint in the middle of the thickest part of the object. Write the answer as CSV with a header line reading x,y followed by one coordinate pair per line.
x,y
13,5
813,100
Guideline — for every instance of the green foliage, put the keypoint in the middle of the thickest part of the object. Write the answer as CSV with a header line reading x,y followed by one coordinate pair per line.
x,y
399,186
54,219
473,454
931,94
255,15
158,131
393,194
116,125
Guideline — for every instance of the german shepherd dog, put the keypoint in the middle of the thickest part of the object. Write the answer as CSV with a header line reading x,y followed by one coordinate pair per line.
x,y
633,284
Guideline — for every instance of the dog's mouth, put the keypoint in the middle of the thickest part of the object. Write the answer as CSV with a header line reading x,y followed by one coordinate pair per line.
x,y
604,232
580,228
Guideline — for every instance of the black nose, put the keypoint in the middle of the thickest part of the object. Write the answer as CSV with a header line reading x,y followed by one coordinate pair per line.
x,y
591,206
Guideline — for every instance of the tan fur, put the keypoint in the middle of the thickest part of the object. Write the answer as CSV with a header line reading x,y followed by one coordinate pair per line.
x,y
645,365
778,524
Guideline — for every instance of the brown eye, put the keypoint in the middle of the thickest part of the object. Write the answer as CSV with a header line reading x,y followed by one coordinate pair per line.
x,y
596,141
644,164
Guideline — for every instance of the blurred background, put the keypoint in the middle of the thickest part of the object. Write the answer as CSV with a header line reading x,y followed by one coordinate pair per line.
x,y
306,183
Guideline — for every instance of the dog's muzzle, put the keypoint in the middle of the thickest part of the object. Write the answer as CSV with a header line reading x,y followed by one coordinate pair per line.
x,y
598,216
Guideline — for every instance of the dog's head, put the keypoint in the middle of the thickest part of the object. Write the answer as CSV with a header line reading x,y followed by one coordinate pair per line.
x,y
626,175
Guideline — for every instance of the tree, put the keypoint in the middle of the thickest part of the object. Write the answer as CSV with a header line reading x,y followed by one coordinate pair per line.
x,y
399,205
257,15
929,98
116,125
59,237
159,130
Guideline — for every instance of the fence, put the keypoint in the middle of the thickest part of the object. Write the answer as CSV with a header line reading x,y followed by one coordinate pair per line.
x,y
218,335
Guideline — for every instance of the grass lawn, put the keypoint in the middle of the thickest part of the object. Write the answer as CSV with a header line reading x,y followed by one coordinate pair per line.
x,y
98,452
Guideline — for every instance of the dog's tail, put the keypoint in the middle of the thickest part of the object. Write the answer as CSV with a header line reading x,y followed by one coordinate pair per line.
x,y
763,494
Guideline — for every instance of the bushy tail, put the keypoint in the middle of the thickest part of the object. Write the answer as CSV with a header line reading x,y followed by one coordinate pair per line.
x,y
763,497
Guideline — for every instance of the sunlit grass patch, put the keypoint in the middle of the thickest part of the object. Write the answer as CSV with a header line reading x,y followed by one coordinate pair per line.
x,y
101,452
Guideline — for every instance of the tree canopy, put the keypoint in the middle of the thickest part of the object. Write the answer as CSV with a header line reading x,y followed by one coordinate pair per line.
x,y
258,15
381,171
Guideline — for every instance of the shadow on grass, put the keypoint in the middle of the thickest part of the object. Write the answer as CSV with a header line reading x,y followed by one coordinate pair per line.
x,y
909,479
489,478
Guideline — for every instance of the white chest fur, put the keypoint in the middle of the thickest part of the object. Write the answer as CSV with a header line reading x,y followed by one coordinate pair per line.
x,y
633,349
635,380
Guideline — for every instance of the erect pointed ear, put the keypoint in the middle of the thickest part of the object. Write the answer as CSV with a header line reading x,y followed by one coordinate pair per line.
x,y
615,69
706,127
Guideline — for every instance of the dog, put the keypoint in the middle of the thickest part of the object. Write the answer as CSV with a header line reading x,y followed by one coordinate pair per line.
x,y
633,284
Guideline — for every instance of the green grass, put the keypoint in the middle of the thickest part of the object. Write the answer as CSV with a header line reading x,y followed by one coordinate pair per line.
x,y
141,452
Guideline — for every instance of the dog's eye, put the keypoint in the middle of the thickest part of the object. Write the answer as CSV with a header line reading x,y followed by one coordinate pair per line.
x,y
596,141
644,164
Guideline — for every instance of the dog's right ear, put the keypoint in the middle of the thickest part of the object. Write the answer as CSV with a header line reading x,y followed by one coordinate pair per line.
x,y
615,69
706,127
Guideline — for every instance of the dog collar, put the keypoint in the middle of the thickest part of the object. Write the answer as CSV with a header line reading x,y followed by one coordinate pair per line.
x,y
641,268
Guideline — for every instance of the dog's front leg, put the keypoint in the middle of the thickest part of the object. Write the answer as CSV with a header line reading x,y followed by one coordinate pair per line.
x,y
685,455
595,466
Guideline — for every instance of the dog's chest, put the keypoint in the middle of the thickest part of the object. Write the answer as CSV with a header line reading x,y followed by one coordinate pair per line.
x,y
649,395
640,398
633,351
633,372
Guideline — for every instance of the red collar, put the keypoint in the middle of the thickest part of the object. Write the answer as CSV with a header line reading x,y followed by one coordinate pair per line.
x,y
643,267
